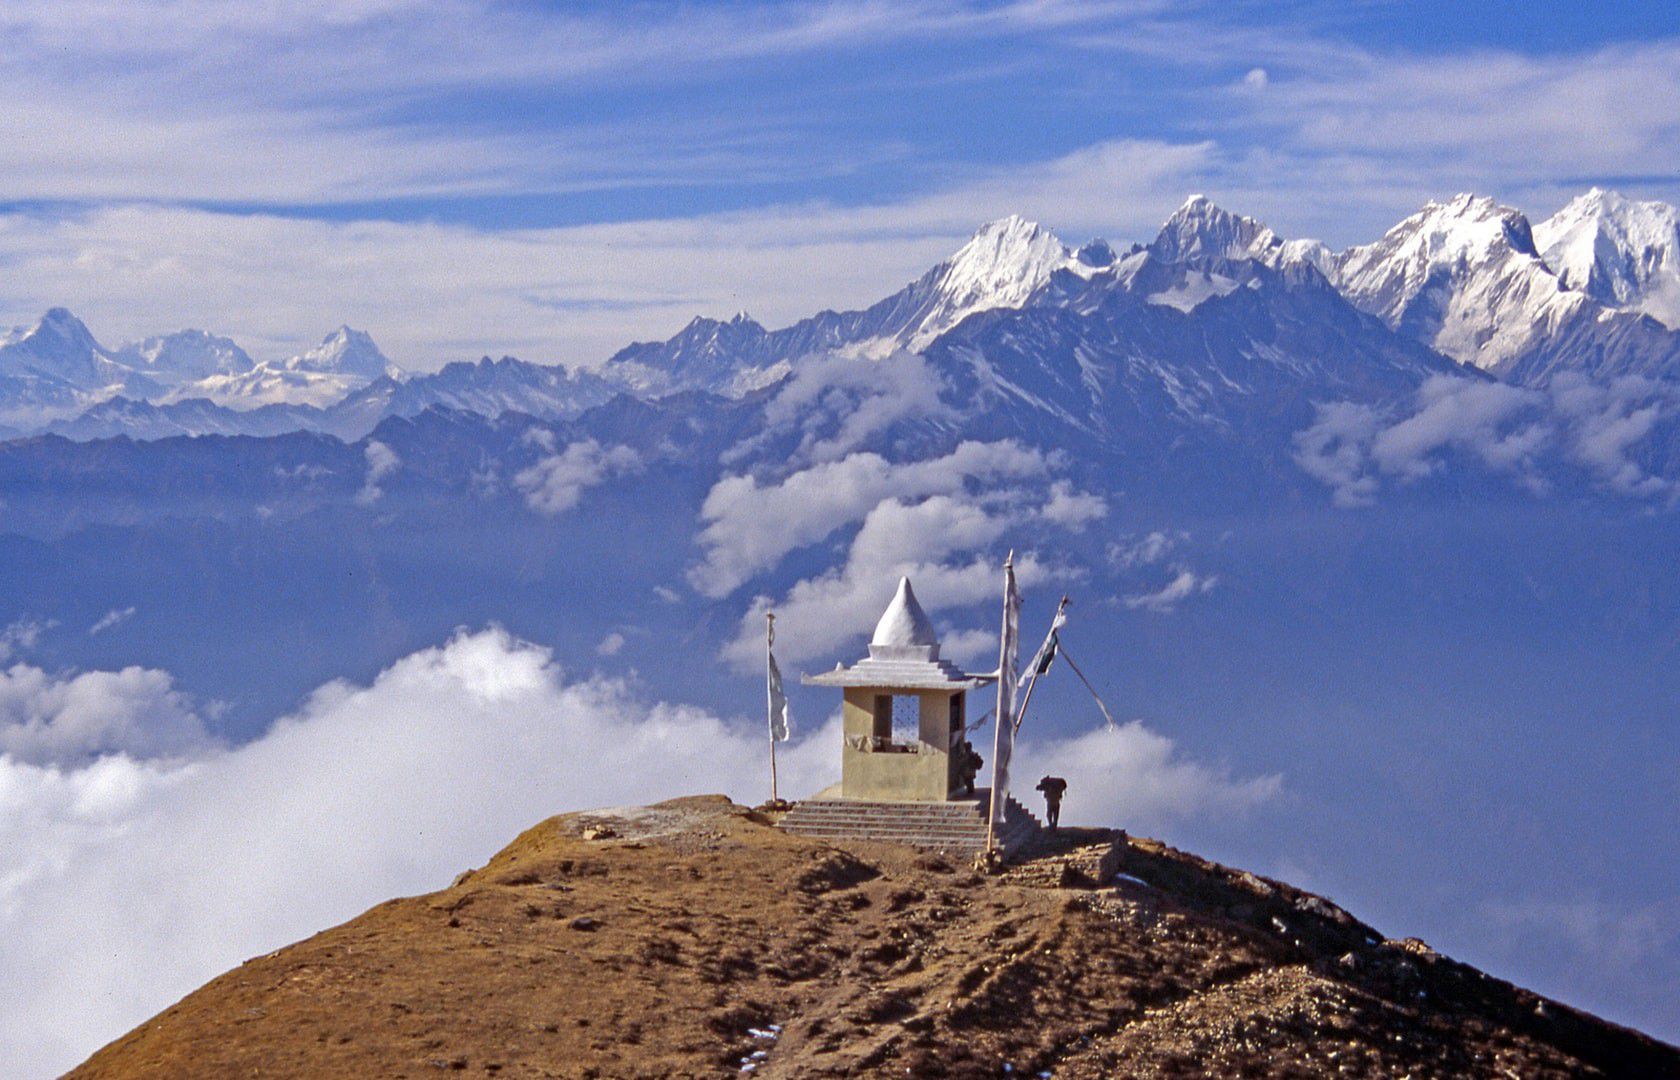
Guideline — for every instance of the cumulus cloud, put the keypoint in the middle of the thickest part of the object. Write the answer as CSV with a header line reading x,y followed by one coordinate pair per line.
x,y
127,881
750,526
1132,776
1333,450
1459,412
934,521
111,618
1607,420
941,543
611,645
1165,600
836,401
1072,509
971,649
382,461
1585,424
556,482
62,720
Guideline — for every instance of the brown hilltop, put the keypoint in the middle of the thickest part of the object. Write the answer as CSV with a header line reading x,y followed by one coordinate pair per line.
x,y
691,938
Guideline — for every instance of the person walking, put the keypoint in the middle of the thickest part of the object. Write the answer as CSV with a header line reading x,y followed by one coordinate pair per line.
x,y
1054,787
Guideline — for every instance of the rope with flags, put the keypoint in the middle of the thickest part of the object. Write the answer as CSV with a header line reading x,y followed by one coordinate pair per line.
x,y
1046,656
1107,716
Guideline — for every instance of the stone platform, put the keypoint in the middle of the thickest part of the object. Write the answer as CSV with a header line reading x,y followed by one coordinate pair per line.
x,y
957,827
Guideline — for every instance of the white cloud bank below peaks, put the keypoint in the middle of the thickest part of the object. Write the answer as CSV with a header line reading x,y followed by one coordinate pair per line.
x,y
1597,427
130,878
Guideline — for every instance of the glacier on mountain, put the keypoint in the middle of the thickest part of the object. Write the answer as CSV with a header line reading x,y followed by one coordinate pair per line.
x,y
1619,251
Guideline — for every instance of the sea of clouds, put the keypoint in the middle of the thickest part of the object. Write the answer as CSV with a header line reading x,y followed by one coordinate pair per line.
x,y
140,856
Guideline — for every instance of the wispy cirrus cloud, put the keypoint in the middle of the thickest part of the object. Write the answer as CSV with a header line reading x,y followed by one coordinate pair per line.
x,y
554,182
572,293
201,101
110,619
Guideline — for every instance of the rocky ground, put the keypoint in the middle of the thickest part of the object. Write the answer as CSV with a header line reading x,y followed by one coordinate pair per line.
x,y
692,939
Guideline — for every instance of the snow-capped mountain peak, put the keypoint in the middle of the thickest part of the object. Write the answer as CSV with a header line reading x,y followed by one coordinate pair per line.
x,y
1465,230
1463,276
1097,254
57,332
345,352
1617,250
1003,264
1202,229
1003,261
186,355
59,346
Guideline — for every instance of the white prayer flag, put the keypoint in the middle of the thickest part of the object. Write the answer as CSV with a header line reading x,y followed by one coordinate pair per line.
x,y
1008,680
1045,656
780,727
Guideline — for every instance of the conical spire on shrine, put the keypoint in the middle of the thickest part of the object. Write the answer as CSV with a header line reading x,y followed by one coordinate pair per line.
x,y
903,654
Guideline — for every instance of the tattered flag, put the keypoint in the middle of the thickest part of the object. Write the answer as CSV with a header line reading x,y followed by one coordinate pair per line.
x,y
780,727
1046,654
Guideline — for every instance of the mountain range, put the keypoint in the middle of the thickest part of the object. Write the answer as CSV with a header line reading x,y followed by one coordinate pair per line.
x,y
1195,322
1313,528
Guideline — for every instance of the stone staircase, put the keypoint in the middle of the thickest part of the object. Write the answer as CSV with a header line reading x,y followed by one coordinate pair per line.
x,y
957,827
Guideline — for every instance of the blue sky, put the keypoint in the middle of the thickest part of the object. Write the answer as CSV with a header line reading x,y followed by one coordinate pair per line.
x,y
554,180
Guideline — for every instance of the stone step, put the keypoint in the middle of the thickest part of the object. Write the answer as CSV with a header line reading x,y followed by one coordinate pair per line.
x,y
854,815
862,830
932,823
802,813
802,824
919,816
954,827
954,810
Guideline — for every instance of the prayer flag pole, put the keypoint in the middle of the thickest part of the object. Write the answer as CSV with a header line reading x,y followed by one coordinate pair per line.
x,y
1003,736
770,693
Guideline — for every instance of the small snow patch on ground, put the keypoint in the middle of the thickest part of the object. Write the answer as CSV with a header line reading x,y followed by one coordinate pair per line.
x,y
753,1060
